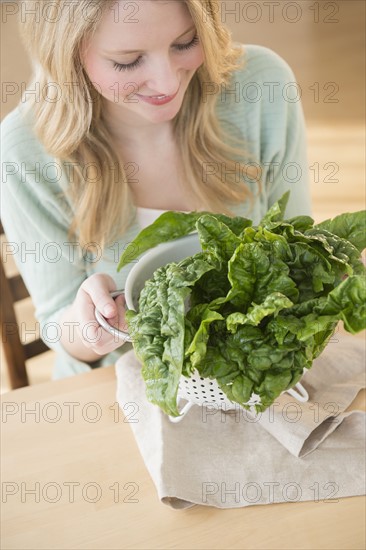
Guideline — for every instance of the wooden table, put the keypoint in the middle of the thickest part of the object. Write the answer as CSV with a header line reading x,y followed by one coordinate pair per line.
x,y
72,477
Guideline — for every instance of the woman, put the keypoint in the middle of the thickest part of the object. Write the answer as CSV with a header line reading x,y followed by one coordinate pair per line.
x,y
137,107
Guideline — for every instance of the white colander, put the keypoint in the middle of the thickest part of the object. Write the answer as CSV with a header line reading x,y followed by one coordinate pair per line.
x,y
194,390
197,390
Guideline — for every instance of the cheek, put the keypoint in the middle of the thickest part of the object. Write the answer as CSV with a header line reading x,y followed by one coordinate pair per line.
x,y
96,73
194,60
101,82
108,82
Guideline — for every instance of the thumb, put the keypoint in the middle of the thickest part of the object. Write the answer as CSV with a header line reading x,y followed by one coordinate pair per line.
x,y
114,307
110,309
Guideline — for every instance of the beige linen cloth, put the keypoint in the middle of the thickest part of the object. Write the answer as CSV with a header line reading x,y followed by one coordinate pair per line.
x,y
291,452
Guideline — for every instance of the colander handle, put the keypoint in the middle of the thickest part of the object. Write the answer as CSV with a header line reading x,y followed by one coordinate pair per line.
x,y
301,394
183,412
104,323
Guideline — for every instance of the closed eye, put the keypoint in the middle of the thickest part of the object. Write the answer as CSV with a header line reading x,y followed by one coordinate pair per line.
x,y
188,46
131,66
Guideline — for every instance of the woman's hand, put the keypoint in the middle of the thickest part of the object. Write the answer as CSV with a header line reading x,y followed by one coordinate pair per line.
x,y
90,339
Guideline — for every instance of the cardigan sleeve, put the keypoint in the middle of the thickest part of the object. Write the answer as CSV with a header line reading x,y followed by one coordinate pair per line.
x,y
287,155
35,217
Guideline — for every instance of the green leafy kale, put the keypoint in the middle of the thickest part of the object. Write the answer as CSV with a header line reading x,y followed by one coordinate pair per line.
x,y
263,301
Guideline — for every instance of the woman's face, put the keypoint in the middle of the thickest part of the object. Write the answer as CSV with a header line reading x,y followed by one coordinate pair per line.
x,y
142,58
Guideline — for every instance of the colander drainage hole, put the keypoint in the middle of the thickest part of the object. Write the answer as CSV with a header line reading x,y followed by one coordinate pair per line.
x,y
193,380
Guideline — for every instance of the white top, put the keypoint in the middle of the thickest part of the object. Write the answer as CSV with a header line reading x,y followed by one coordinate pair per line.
x,y
146,216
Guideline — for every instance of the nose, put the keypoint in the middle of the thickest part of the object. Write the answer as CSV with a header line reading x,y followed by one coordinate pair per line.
x,y
163,78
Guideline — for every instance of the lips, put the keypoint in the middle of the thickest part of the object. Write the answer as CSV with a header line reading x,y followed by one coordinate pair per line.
x,y
158,99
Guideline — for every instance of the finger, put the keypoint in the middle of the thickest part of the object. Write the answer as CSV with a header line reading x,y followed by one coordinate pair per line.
x,y
98,288
88,327
105,338
99,339
118,320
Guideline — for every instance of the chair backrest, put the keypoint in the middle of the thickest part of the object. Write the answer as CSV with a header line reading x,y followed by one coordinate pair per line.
x,y
16,353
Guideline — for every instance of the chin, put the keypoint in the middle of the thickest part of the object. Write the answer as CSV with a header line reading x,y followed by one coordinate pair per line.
x,y
158,117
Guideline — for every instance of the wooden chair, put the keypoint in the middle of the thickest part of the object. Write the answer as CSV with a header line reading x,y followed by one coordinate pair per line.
x,y
16,353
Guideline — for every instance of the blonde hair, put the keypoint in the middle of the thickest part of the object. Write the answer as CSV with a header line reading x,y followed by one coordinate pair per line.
x,y
73,131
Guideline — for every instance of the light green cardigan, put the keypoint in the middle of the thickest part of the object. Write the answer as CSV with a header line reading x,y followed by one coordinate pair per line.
x,y
261,104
